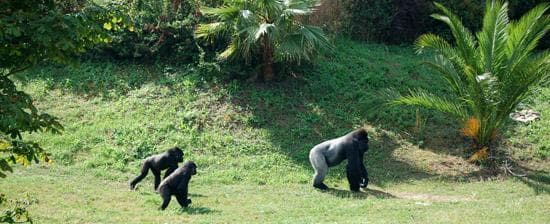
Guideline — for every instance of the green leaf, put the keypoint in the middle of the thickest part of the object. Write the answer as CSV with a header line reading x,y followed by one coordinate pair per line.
x,y
107,26
5,166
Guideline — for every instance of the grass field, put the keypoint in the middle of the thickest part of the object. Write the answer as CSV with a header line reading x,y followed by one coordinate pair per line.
x,y
251,141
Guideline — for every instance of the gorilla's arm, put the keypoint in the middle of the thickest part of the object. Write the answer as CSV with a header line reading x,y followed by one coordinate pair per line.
x,y
364,175
353,169
170,170
182,191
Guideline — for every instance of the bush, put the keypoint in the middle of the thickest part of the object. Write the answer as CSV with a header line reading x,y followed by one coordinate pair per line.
x,y
402,21
162,30
369,19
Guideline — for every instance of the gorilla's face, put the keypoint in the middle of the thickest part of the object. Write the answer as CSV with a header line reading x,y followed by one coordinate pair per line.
x,y
361,139
194,170
177,154
366,147
191,166
363,145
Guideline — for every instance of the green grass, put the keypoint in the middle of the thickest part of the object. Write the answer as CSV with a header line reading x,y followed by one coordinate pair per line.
x,y
251,143
74,197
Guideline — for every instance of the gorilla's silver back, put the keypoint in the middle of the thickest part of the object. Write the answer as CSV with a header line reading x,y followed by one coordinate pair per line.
x,y
330,151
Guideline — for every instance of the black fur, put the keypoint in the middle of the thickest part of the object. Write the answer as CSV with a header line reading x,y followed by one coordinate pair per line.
x,y
350,147
177,184
166,160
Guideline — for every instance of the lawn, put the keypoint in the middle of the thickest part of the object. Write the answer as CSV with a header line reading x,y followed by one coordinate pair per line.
x,y
251,142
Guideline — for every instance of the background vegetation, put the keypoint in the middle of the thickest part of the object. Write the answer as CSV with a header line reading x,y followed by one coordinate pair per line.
x,y
402,21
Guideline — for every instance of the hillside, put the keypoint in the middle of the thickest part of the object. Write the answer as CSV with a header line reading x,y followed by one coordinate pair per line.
x,y
251,142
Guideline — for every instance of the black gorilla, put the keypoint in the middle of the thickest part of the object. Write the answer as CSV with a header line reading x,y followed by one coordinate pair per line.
x,y
177,184
166,160
330,153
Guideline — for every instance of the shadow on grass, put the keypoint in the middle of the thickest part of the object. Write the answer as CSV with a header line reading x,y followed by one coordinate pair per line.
x,y
196,195
193,210
364,194
96,78
539,181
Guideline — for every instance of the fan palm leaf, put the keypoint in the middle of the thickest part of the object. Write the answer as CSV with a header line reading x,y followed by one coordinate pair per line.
x,y
269,28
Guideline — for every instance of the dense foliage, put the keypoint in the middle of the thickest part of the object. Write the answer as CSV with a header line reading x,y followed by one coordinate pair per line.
x,y
32,32
161,30
490,73
402,21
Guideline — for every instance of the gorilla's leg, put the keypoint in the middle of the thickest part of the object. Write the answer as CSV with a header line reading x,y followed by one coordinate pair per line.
x,y
144,171
320,166
157,178
168,172
184,202
166,196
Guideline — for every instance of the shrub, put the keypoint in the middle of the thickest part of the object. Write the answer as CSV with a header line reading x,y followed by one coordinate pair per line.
x,y
162,30
490,73
402,21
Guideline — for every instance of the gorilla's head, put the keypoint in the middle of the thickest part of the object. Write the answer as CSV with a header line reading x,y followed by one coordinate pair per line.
x,y
176,153
361,138
191,167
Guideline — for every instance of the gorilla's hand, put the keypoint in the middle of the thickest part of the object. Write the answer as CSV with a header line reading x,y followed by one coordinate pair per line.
x,y
364,182
188,202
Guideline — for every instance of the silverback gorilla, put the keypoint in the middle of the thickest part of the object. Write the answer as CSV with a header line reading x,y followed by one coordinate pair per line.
x,y
167,160
177,184
330,153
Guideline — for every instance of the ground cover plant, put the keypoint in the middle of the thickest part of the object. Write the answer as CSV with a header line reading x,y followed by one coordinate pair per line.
x,y
251,140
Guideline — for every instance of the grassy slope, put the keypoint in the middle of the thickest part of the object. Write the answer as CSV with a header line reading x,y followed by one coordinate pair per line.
x,y
251,143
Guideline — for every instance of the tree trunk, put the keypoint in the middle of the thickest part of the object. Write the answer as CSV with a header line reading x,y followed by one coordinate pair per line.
x,y
268,59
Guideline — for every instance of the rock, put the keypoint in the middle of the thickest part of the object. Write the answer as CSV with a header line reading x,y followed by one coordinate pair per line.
x,y
525,116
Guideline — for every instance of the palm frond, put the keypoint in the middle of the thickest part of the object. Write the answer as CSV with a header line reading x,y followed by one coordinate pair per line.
x,y
525,34
269,9
211,31
427,100
301,44
493,37
230,51
223,13
465,41
449,73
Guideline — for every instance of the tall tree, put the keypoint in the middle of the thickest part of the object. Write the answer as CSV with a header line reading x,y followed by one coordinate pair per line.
x,y
33,31
489,73
270,29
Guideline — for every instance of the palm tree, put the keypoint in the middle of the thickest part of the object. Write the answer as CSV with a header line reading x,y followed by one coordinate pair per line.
x,y
489,73
269,28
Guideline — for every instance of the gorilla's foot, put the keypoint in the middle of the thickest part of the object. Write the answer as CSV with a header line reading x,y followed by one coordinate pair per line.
x,y
321,186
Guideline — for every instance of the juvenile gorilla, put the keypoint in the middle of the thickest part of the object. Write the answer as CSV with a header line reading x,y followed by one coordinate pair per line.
x,y
166,160
177,184
330,153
